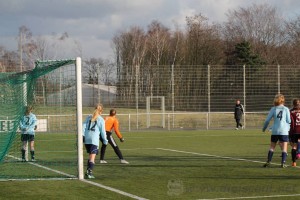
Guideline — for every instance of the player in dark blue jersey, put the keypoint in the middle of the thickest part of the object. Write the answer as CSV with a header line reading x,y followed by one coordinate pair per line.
x,y
280,128
93,127
28,125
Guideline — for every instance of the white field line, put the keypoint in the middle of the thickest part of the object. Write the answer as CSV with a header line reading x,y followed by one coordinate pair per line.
x,y
216,156
113,190
255,197
46,168
231,158
188,136
85,181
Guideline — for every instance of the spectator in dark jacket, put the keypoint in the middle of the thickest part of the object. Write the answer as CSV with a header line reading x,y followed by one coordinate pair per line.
x,y
238,113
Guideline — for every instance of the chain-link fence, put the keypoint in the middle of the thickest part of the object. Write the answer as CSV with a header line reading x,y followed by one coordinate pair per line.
x,y
196,97
185,97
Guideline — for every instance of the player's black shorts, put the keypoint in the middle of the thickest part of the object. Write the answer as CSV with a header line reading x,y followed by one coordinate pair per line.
x,y
280,138
294,138
91,149
27,137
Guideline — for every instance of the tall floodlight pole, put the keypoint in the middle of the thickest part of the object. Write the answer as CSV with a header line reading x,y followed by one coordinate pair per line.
x,y
278,76
208,96
98,76
173,96
21,51
137,95
244,68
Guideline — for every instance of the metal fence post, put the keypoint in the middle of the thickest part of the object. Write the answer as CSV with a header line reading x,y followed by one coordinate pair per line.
x,y
278,76
136,95
208,95
129,119
169,121
244,74
173,95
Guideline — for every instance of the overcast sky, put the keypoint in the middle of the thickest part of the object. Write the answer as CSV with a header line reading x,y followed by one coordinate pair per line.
x,y
93,23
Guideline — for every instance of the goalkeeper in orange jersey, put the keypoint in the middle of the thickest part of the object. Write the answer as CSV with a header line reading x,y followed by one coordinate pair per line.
x,y
111,122
295,131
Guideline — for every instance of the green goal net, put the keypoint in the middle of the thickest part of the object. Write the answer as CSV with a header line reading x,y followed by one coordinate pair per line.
x,y
50,88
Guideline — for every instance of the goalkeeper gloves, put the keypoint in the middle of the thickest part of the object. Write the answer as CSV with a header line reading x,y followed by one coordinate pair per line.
x,y
122,139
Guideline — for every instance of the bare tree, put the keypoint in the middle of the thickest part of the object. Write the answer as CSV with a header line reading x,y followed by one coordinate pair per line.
x,y
92,68
9,61
158,41
158,44
130,48
261,25
292,49
108,72
203,41
25,35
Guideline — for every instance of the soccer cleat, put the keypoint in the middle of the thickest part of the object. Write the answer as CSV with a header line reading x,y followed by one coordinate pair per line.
x,y
236,128
33,160
294,164
283,165
102,162
24,160
124,161
89,176
267,164
243,127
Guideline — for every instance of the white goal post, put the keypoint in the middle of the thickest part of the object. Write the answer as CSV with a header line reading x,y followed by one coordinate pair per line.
x,y
148,110
79,118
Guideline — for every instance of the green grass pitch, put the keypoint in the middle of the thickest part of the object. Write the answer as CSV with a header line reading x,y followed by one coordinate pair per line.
x,y
213,164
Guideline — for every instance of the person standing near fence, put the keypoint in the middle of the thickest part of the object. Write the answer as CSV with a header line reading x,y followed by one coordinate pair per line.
x,y
28,125
280,129
238,113
295,131
112,123
93,128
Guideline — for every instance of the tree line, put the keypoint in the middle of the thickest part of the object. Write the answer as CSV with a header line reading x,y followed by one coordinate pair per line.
x,y
256,36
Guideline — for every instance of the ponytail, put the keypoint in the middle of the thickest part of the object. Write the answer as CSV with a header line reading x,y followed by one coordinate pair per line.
x,y
98,110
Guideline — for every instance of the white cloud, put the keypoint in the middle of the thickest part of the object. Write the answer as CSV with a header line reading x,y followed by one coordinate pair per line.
x,y
94,22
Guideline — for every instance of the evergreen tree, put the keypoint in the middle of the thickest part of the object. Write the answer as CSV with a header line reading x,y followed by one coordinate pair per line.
x,y
243,55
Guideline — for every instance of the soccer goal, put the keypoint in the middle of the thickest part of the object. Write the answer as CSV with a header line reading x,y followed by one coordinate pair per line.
x,y
158,118
53,89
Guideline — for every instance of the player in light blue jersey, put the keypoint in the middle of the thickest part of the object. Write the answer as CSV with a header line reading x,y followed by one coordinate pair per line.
x,y
28,125
280,128
93,126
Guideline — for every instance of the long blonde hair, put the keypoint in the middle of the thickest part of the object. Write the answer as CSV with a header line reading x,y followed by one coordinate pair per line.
x,y
97,112
279,99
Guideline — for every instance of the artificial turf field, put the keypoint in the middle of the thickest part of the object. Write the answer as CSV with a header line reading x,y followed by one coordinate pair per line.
x,y
213,164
